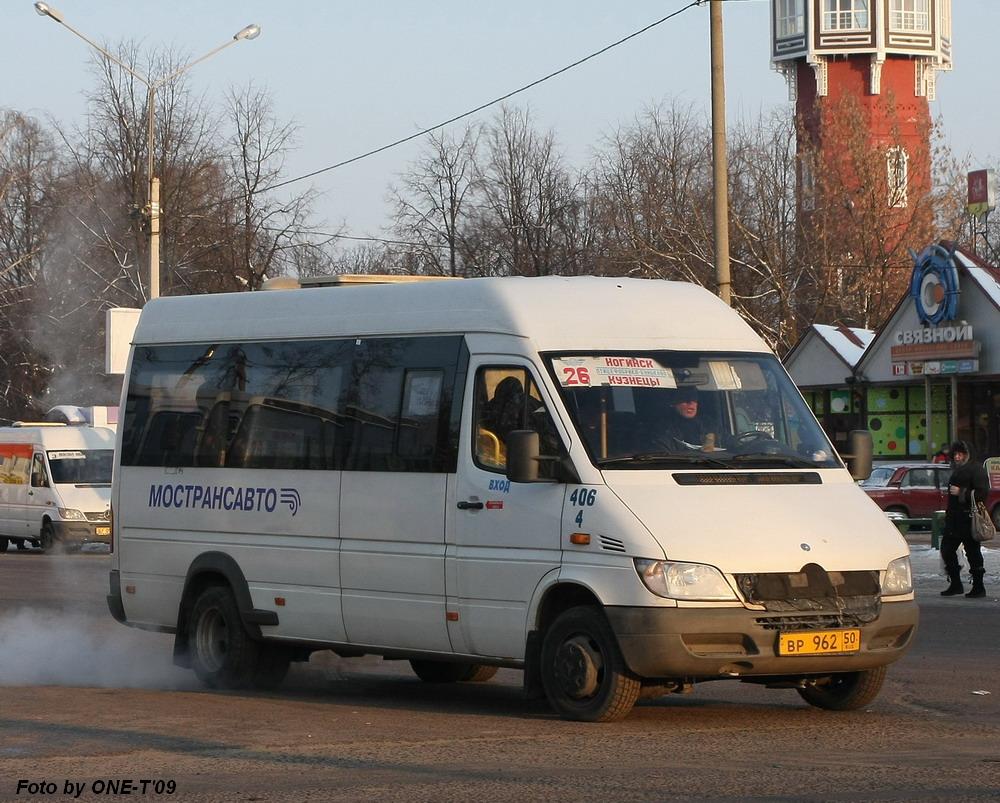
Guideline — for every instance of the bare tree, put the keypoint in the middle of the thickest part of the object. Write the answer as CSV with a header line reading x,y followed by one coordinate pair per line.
x,y
27,163
655,185
526,194
432,200
267,228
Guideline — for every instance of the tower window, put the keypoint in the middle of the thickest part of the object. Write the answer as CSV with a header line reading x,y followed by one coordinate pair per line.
x,y
897,175
790,18
910,15
845,15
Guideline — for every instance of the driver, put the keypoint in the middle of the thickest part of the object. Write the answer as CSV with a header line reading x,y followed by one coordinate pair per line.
x,y
682,426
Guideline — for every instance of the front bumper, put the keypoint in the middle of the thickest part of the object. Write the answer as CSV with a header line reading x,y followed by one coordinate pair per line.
x,y
735,642
82,532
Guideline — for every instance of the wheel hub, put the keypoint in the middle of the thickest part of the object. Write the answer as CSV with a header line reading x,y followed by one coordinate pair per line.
x,y
577,667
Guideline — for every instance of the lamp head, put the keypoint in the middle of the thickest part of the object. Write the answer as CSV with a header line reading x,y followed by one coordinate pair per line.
x,y
250,32
45,10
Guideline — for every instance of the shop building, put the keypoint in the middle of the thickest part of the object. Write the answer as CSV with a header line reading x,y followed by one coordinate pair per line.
x,y
930,375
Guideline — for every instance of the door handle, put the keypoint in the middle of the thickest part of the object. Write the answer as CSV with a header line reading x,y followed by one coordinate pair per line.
x,y
463,505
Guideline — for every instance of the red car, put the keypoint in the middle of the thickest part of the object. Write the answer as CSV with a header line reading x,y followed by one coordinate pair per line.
x,y
916,490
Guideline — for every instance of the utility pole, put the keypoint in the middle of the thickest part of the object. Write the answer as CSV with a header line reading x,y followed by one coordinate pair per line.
x,y
720,161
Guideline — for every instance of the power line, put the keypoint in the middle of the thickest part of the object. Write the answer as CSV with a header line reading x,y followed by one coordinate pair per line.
x,y
486,105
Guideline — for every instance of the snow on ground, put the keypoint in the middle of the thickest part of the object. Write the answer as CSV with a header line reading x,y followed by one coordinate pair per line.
x,y
928,570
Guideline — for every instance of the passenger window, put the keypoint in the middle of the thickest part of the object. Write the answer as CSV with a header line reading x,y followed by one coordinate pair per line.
x,y
508,399
918,478
362,404
39,478
943,477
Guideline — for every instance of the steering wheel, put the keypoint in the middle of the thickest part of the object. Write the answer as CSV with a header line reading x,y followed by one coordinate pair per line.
x,y
752,436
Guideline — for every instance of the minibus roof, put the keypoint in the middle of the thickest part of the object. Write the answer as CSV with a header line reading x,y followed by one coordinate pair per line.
x,y
557,313
59,436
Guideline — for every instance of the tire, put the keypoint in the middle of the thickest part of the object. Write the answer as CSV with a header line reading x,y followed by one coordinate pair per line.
x,y
449,672
583,672
847,691
480,673
3,544
272,666
47,537
223,655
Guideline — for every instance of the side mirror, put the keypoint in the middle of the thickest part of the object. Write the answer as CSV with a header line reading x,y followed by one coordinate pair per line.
x,y
523,459
522,455
859,461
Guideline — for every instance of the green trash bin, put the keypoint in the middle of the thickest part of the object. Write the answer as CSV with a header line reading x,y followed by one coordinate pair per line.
x,y
937,528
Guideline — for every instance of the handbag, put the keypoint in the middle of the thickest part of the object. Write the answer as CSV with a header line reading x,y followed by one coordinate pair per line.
x,y
983,528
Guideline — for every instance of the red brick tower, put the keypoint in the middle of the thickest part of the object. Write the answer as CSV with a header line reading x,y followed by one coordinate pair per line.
x,y
861,73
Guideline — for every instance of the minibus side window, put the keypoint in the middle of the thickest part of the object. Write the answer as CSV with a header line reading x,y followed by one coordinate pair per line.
x,y
507,399
356,404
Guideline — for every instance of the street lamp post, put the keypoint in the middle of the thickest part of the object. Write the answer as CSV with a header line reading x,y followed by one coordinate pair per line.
x,y
153,197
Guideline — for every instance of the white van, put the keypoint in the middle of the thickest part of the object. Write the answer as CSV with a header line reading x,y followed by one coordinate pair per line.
x,y
55,485
481,474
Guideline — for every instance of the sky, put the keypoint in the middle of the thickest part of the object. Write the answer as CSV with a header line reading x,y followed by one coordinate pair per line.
x,y
357,75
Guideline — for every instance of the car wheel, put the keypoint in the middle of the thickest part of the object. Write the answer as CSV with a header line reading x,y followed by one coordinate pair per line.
x,y
582,669
223,655
3,544
845,691
449,672
48,537
898,509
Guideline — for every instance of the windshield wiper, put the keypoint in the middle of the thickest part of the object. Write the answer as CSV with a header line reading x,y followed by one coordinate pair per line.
x,y
774,460
663,457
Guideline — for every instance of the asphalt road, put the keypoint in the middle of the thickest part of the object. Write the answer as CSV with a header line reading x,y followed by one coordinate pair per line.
x,y
85,701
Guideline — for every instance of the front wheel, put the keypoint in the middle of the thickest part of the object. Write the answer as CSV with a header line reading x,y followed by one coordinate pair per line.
x,y
846,691
47,538
582,669
223,655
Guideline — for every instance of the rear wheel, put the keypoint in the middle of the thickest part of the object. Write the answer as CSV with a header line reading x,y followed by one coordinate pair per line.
x,y
583,672
448,672
223,655
845,691
3,544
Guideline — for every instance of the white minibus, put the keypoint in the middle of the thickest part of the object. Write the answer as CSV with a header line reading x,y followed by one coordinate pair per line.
x,y
55,485
497,473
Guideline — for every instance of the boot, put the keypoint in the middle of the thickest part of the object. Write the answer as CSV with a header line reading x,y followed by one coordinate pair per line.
x,y
978,589
956,586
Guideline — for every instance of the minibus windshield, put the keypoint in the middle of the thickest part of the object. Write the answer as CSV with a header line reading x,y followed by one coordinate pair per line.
x,y
81,466
669,409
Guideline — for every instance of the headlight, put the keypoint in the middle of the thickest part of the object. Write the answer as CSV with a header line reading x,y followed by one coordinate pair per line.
x,y
70,515
683,580
898,579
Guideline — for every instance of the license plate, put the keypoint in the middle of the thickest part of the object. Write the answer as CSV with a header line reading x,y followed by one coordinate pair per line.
x,y
102,531
819,642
